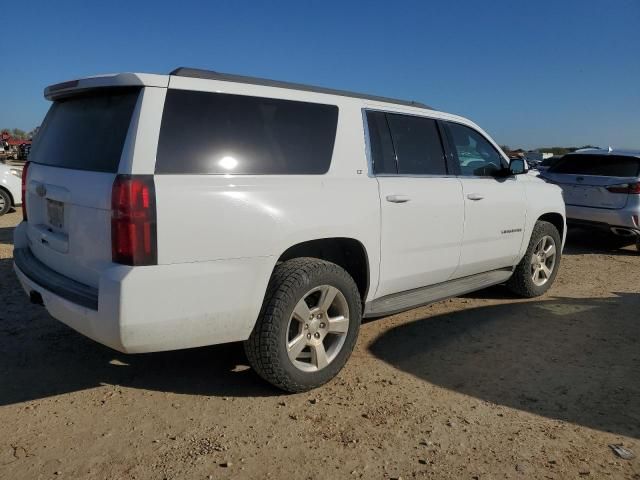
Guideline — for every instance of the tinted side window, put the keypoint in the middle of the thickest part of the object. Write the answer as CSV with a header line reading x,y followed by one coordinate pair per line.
x,y
417,145
215,133
475,154
603,165
382,154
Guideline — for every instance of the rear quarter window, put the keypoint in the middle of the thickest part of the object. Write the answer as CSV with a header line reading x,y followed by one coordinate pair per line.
x,y
215,133
600,165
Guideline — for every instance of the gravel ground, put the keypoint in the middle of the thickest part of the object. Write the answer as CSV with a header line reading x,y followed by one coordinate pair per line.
x,y
483,386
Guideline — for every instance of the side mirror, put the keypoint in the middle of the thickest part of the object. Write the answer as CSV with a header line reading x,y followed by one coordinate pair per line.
x,y
517,166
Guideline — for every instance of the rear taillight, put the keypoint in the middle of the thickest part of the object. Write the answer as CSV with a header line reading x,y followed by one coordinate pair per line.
x,y
23,189
133,220
628,188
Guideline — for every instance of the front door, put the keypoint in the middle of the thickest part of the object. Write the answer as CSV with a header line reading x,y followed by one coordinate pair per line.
x,y
494,206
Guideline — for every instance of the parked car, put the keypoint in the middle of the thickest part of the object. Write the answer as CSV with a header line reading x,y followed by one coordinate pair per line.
x,y
601,190
10,195
547,163
196,208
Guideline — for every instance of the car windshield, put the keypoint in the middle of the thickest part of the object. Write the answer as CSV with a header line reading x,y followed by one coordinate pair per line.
x,y
602,165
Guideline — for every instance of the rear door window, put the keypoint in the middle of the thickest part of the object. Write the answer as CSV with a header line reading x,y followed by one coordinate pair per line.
x,y
417,144
86,132
600,165
216,133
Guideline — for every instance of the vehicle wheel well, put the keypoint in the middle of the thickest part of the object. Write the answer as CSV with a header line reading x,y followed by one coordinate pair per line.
x,y
555,219
13,202
348,253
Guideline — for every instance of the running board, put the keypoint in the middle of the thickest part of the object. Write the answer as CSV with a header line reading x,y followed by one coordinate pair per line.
x,y
399,302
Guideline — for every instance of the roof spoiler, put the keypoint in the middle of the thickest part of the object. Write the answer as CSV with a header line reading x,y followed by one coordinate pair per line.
x,y
63,89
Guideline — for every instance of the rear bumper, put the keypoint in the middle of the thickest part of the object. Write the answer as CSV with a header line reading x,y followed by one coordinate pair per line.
x,y
155,308
602,218
69,289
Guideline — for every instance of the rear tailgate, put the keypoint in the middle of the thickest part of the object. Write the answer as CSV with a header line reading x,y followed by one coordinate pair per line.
x,y
591,180
74,162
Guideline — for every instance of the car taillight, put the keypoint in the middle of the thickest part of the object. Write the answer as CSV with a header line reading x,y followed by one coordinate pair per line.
x,y
23,189
629,188
133,220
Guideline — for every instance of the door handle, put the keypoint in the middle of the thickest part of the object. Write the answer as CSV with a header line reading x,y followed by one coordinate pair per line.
x,y
398,198
475,196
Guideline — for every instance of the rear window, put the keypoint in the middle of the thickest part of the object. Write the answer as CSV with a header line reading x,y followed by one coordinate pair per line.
x,y
602,165
86,132
215,133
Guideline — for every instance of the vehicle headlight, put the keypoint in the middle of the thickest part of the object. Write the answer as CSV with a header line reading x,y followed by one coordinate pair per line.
x,y
16,171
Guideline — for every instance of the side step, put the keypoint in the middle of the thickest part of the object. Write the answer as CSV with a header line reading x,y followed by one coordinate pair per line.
x,y
399,302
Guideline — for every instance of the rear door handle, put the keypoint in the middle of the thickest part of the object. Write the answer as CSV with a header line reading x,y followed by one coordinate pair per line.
x,y
398,198
475,196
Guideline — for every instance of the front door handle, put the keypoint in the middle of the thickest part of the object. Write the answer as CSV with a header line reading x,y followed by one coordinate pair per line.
x,y
398,198
475,196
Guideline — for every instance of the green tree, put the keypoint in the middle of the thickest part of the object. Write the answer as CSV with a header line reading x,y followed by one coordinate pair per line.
x,y
18,133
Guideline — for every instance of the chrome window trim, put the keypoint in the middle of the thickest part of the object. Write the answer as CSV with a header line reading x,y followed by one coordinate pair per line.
x,y
369,156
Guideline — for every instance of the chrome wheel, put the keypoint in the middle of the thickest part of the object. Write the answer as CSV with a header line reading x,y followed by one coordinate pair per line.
x,y
543,260
317,328
3,203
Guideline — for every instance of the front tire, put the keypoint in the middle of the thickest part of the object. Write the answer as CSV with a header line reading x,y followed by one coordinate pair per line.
x,y
308,325
537,270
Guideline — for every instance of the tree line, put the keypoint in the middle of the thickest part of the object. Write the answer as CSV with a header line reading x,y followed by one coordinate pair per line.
x,y
18,133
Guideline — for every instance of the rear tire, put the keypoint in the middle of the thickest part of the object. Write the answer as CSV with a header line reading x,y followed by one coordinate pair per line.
x,y
537,270
5,202
308,325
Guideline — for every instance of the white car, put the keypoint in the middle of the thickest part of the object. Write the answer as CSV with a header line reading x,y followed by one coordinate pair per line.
x,y
196,208
10,195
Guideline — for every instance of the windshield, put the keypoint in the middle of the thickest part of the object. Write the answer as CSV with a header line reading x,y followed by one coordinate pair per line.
x,y
86,132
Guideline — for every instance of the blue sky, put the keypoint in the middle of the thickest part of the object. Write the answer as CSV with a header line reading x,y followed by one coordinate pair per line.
x,y
532,73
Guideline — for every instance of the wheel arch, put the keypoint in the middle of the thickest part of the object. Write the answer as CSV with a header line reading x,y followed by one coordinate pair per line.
x,y
556,219
346,252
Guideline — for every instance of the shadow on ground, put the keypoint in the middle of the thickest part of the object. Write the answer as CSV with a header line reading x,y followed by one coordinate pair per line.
x,y
581,241
6,235
576,360
41,357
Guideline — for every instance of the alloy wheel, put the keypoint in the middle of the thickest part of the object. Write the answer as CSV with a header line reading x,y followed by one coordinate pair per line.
x,y
543,260
317,328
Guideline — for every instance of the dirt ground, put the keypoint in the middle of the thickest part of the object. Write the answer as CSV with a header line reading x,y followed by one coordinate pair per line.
x,y
484,386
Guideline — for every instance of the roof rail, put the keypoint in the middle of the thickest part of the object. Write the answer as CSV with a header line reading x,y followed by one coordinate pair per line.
x,y
227,77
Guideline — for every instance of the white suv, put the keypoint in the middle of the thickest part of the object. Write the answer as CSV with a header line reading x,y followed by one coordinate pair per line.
x,y
174,211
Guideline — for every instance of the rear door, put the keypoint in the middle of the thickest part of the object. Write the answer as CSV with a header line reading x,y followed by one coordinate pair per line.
x,y
74,161
594,180
422,210
495,209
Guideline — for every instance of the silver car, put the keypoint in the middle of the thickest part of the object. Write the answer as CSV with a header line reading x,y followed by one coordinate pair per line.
x,y
601,190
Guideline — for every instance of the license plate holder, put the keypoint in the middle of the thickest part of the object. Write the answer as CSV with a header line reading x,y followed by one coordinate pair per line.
x,y
55,213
